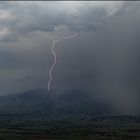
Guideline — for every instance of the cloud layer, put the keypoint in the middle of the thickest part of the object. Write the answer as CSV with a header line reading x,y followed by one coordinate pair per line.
x,y
103,59
22,18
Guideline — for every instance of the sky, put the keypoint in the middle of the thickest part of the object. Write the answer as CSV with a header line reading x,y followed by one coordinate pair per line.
x,y
103,59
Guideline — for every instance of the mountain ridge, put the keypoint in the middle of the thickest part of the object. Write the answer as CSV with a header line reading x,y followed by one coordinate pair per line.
x,y
38,103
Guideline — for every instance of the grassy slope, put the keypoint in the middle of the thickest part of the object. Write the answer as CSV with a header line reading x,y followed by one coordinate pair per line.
x,y
116,129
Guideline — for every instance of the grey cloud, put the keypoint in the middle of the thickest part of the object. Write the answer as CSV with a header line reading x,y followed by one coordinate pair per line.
x,y
103,59
26,17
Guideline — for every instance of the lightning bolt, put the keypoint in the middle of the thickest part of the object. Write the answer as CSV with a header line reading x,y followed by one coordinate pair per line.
x,y
54,55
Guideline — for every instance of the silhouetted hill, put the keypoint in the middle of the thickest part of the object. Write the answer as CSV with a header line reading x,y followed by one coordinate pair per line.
x,y
79,102
70,102
38,104
32,100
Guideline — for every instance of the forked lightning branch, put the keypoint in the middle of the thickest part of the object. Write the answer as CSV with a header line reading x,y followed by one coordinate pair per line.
x,y
55,57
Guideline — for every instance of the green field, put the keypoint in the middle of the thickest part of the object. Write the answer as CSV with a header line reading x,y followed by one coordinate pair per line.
x,y
71,129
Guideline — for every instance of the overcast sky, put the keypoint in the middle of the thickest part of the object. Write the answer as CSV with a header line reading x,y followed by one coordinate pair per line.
x,y
103,59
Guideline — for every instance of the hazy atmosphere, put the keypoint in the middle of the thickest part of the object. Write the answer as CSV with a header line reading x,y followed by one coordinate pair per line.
x,y
103,59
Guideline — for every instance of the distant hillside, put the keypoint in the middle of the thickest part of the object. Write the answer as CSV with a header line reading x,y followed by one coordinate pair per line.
x,y
40,102
39,105
32,100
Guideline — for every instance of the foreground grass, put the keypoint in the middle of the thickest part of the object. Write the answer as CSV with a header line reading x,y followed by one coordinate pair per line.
x,y
71,131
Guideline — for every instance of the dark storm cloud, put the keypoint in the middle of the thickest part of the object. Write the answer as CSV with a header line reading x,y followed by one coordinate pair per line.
x,y
103,59
22,18
25,28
